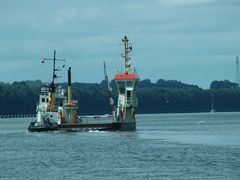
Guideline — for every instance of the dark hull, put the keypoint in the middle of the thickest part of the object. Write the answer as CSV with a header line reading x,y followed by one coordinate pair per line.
x,y
104,126
35,129
42,127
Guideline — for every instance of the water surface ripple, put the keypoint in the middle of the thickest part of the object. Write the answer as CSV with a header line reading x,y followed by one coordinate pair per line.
x,y
164,146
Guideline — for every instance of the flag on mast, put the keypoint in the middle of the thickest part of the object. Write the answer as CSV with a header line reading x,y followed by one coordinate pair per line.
x,y
42,62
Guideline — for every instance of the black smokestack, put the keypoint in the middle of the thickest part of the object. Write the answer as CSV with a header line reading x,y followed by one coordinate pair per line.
x,y
69,76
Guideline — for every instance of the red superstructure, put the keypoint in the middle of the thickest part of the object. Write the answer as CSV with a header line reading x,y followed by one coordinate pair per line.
x,y
125,76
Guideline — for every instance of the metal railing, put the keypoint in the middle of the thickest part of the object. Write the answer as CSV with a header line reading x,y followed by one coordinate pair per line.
x,y
4,116
122,71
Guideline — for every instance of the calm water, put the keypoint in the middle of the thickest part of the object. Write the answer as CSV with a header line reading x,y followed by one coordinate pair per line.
x,y
165,146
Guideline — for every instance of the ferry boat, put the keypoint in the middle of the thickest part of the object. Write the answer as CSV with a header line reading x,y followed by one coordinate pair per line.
x,y
50,104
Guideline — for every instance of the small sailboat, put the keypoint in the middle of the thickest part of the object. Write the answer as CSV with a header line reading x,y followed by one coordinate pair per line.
x,y
212,104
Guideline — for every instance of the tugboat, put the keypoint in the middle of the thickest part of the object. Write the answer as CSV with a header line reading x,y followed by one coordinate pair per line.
x,y
50,104
126,80
56,112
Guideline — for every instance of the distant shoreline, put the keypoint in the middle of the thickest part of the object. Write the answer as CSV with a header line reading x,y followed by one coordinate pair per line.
x,y
166,97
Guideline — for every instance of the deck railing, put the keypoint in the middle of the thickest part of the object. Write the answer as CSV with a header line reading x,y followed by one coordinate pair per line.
x,y
5,116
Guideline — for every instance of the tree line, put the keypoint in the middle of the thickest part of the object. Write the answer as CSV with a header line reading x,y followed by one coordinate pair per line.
x,y
164,96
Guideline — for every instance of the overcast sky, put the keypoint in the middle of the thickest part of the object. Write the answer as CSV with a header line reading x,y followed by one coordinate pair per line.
x,y
193,41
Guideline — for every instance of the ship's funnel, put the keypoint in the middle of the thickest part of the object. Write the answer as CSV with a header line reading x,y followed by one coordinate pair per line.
x,y
70,108
69,76
69,86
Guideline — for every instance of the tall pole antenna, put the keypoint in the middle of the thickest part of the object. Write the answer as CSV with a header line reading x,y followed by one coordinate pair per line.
x,y
127,49
54,76
237,71
54,68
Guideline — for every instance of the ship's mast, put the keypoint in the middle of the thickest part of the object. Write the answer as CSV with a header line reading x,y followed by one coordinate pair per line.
x,y
237,71
54,67
52,88
212,105
127,49
54,76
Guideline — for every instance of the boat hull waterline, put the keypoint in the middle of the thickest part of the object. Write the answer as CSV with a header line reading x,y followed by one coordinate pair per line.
x,y
105,126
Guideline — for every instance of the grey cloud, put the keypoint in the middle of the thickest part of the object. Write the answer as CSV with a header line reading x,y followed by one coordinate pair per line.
x,y
169,37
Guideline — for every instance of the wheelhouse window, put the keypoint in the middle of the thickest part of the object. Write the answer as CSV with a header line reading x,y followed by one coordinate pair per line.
x,y
128,95
130,84
121,86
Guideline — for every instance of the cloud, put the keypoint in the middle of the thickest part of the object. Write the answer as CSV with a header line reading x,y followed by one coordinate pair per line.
x,y
173,3
169,37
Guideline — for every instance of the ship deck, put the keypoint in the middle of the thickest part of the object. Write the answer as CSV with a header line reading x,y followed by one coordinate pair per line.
x,y
104,126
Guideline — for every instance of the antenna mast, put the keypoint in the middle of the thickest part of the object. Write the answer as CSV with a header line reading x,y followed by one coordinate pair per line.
x,y
54,76
54,66
237,71
127,49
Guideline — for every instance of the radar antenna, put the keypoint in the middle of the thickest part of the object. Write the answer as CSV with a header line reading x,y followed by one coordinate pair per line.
x,y
127,50
237,71
54,76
